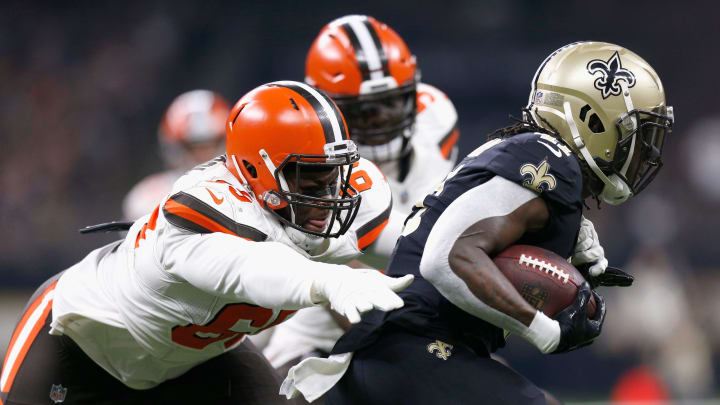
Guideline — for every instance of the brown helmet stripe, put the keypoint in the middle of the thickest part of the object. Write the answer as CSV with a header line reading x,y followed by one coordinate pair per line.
x,y
330,118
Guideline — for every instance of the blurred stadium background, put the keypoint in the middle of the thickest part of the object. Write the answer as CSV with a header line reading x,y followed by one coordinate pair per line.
x,y
83,86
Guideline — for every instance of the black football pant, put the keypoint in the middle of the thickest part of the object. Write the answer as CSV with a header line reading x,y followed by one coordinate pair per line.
x,y
49,369
401,368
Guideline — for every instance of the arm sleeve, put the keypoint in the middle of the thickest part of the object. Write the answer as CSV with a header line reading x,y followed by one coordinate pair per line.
x,y
268,274
496,197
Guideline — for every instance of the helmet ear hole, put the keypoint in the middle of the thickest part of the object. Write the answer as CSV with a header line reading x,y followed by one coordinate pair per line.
x,y
583,112
250,168
595,124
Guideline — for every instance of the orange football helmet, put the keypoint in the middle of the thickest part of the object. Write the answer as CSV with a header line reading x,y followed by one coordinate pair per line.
x,y
192,129
290,123
370,73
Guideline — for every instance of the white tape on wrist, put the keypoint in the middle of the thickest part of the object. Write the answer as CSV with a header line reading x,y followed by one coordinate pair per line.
x,y
543,332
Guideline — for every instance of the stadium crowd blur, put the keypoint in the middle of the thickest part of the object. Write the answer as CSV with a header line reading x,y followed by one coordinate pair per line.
x,y
84,84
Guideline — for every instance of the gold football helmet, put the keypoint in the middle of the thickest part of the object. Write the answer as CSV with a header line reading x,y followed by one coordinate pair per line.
x,y
608,104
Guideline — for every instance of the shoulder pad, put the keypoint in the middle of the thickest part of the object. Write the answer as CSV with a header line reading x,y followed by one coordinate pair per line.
x,y
430,97
436,121
216,206
376,203
538,162
212,169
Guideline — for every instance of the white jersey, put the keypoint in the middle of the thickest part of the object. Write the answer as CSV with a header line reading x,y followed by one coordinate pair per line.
x,y
148,193
190,280
434,153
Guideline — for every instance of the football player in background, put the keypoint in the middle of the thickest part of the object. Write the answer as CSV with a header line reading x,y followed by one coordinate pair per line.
x,y
161,316
192,131
408,128
594,127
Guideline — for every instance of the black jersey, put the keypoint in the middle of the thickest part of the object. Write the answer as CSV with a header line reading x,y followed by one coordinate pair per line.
x,y
538,162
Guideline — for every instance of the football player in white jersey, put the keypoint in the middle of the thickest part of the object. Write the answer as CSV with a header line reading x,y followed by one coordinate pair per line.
x,y
239,245
408,128
192,131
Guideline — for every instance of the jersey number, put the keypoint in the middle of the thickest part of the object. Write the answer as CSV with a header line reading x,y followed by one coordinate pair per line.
x,y
360,180
219,329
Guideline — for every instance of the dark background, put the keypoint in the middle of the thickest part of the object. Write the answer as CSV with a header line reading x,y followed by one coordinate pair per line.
x,y
84,84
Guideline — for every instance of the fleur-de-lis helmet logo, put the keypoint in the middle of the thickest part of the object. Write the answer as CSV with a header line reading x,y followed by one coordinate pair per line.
x,y
611,73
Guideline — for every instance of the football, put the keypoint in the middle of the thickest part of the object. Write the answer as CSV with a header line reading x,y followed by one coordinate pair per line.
x,y
546,281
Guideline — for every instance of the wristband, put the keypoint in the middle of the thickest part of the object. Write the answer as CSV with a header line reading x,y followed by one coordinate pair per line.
x,y
543,332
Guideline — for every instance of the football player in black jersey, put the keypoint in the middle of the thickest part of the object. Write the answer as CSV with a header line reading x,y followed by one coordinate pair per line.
x,y
594,127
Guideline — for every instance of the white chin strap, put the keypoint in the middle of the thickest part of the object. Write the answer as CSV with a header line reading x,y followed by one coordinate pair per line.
x,y
305,241
615,191
630,123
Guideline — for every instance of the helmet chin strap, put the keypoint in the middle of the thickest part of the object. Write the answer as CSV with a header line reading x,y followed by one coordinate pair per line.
x,y
283,184
312,244
615,191
630,124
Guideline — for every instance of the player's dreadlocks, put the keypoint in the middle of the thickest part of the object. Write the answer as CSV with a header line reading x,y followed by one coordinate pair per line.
x,y
528,124
521,126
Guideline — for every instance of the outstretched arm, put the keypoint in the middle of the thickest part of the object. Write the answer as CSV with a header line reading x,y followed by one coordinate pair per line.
x,y
273,275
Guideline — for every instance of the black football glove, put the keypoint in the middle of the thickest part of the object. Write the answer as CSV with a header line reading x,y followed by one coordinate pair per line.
x,y
612,277
576,329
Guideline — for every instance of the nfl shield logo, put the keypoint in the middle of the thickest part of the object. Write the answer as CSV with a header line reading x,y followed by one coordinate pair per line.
x,y
57,393
538,97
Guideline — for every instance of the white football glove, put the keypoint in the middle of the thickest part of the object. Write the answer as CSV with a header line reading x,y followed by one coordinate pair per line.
x,y
351,292
588,249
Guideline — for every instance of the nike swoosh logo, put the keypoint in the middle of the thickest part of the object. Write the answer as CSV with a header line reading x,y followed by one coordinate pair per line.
x,y
218,201
555,152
